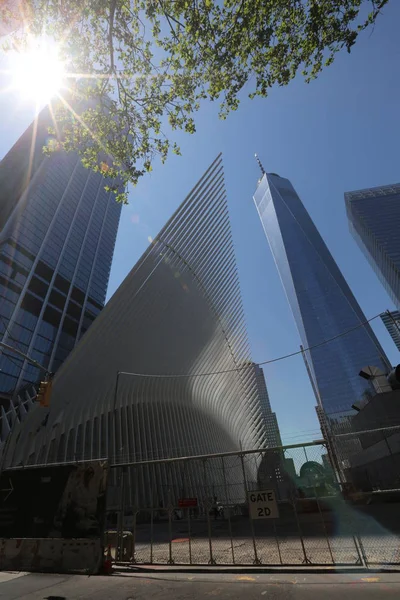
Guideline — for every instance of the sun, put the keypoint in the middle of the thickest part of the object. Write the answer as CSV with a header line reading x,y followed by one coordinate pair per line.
x,y
37,72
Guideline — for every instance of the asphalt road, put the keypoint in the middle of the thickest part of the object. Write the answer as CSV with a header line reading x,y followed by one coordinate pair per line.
x,y
185,586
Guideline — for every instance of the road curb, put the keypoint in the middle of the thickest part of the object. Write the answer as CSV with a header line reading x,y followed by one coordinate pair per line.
x,y
340,570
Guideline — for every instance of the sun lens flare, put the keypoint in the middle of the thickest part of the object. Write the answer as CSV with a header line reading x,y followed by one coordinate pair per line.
x,y
38,73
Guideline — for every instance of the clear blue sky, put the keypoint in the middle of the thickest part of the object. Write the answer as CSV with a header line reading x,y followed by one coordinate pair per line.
x,y
339,133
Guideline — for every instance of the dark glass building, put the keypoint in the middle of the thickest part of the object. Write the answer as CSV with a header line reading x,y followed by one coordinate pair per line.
x,y
374,219
321,301
58,228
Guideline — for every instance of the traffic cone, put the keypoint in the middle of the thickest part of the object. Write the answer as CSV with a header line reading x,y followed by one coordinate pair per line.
x,y
107,564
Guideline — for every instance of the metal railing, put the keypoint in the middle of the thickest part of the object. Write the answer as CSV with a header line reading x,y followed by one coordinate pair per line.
x,y
278,506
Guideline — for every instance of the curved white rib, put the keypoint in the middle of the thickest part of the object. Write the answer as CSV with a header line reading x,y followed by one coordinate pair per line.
x,y
178,312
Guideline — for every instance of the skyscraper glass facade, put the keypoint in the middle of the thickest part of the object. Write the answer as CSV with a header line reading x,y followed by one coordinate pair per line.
x,y
321,301
59,227
273,436
392,323
374,219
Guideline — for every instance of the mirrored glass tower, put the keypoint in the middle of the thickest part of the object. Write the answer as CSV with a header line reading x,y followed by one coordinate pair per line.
x,y
374,219
322,303
58,227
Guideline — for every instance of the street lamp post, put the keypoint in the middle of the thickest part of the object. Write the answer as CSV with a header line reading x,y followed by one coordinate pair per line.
x,y
25,356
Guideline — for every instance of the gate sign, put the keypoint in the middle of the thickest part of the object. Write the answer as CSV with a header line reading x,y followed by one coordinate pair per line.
x,y
263,505
187,502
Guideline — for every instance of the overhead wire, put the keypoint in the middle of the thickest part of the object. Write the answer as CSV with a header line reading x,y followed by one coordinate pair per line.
x,y
265,362
246,366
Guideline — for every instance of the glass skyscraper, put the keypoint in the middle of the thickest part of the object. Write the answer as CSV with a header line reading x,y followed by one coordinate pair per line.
x,y
391,321
57,233
273,436
374,218
321,301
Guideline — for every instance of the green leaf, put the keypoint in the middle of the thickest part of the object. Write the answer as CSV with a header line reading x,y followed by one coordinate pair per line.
x,y
151,63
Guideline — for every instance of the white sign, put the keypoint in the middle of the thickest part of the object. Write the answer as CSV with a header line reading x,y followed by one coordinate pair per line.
x,y
263,505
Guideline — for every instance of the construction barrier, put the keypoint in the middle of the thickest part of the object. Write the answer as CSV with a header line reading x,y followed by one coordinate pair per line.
x,y
51,555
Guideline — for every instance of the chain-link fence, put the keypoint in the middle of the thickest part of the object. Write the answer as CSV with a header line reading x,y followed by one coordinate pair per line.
x,y
282,506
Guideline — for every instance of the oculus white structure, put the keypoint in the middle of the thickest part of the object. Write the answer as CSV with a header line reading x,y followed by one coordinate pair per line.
x,y
176,318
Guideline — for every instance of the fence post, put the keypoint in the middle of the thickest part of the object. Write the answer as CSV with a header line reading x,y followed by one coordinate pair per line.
x,y
360,550
208,507
152,475
190,536
135,504
120,532
170,513
306,560
320,514
256,559
333,454
277,542
229,516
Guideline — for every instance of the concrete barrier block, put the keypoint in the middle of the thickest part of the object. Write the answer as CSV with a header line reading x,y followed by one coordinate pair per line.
x,y
54,555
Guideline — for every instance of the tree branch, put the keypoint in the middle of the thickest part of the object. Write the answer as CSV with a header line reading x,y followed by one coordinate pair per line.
x,y
169,18
110,35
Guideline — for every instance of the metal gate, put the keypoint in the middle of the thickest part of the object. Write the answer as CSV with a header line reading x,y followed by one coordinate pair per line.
x,y
281,506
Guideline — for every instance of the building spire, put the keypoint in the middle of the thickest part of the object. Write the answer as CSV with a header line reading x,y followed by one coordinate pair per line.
x,y
260,164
